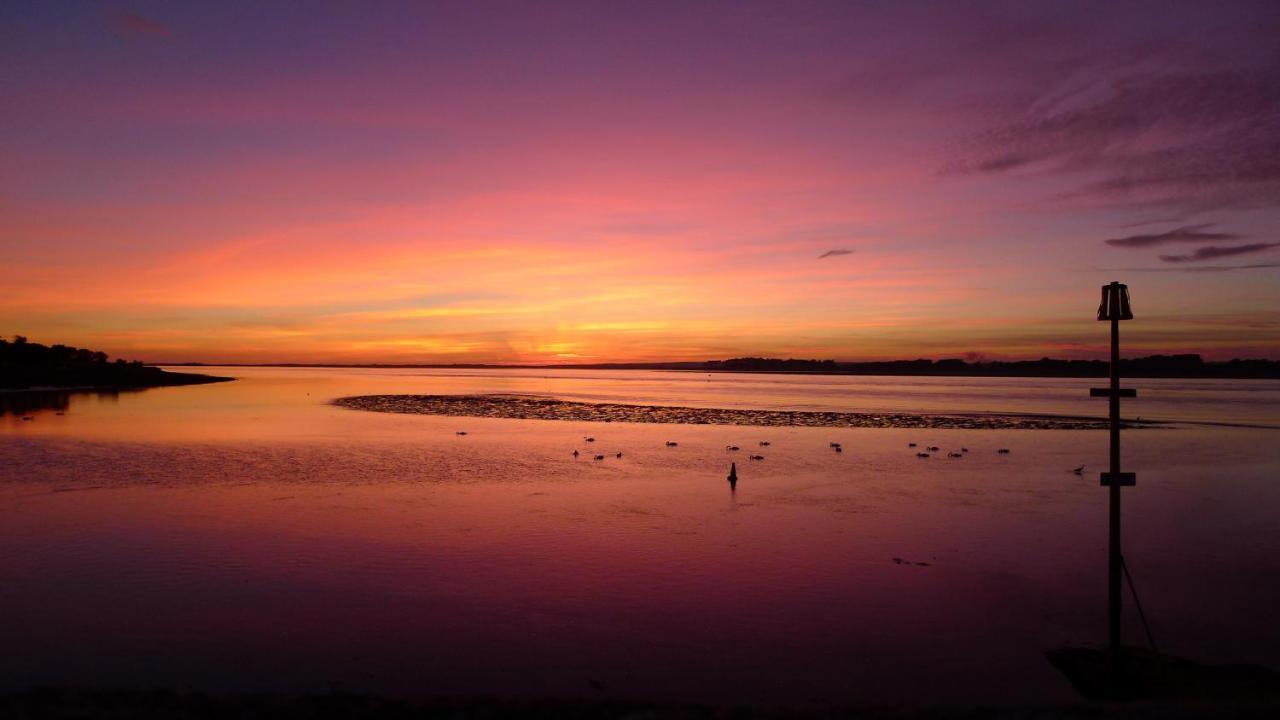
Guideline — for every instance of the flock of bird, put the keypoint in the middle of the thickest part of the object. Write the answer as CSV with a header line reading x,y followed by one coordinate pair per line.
x,y
835,446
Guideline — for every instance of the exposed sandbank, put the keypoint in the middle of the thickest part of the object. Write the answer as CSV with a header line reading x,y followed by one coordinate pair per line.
x,y
536,408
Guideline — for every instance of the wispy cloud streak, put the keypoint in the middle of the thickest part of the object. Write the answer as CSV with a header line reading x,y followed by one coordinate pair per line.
x,y
1192,139
1196,268
1213,252
1189,233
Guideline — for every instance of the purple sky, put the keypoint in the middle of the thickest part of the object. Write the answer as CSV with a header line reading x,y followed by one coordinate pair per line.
x,y
538,182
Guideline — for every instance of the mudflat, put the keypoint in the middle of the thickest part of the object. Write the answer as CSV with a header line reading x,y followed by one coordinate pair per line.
x,y
539,408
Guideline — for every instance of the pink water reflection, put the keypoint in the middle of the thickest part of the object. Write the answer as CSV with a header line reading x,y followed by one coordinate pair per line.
x,y
293,545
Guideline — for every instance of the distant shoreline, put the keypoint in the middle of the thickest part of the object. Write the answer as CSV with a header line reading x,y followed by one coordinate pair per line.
x,y
1185,367
168,379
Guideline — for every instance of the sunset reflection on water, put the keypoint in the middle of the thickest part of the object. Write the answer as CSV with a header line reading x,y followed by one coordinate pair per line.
x,y
249,536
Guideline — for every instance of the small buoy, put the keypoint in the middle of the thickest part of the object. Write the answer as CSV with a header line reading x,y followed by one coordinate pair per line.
x,y
575,453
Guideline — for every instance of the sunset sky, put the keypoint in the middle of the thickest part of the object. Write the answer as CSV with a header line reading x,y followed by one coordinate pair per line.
x,y
540,182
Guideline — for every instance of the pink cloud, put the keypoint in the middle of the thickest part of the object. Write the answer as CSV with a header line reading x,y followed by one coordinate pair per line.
x,y
124,22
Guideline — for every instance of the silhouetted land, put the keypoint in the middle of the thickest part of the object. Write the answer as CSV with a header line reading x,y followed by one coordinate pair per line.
x,y
159,703
1153,366
25,365
1170,366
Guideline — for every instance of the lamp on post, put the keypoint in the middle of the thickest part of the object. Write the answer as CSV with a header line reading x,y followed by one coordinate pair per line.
x,y
1115,303
1115,307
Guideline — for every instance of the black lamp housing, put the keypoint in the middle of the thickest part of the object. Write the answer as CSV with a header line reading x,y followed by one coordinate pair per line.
x,y
1115,303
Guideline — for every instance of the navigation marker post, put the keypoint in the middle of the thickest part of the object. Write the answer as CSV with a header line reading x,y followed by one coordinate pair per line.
x,y
1115,307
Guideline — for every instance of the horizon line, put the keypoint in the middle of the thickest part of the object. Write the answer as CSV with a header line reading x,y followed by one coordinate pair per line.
x,y
659,363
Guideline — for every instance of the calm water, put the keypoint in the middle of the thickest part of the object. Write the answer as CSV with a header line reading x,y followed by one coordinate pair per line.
x,y
248,536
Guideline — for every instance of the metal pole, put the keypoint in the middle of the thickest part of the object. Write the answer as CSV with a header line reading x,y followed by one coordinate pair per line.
x,y
1113,574
1115,307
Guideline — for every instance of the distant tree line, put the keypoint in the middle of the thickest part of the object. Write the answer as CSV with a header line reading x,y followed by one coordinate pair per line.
x,y
24,364
1172,366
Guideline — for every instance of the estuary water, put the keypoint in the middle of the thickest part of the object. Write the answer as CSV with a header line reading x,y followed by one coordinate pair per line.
x,y
251,536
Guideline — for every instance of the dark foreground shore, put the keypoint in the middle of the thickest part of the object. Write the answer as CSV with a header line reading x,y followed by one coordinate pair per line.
x,y
65,703
525,408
